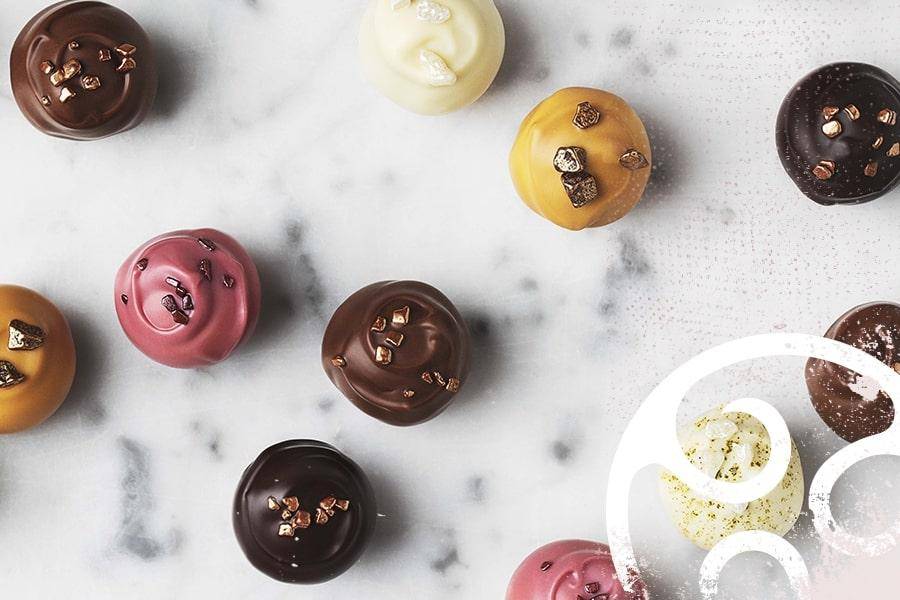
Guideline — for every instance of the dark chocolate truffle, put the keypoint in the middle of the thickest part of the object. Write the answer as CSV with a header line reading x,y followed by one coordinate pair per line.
x,y
83,70
838,136
303,512
853,405
399,350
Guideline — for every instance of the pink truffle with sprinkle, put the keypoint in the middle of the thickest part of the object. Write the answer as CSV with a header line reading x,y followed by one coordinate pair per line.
x,y
569,570
188,299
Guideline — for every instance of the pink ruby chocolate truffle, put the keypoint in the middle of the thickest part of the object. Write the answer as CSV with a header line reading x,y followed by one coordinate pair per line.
x,y
569,570
188,299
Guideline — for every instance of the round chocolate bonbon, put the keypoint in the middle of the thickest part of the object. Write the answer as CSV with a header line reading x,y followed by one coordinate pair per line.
x,y
303,512
581,158
83,70
188,298
852,405
399,350
838,136
432,56
37,359
569,570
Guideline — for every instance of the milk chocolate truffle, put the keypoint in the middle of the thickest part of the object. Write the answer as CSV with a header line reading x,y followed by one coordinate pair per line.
x,y
581,159
569,570
432,56
37,359
83,71
188,298
303,512
851,404
399,350
731,447
837,134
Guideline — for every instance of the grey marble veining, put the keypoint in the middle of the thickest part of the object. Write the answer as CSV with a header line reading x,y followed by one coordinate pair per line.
x,y
265,129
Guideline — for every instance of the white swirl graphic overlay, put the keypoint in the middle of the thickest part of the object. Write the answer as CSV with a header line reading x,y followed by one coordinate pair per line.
x,y
656,420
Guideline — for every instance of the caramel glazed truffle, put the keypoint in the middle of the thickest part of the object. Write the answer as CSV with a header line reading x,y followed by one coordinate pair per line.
x,y
399,350
837,134
37,362
303,512
852,405
83,70
581,158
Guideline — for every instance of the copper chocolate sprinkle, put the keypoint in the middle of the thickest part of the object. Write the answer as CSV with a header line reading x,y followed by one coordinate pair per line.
x,y
453,385
832,129
634,160
124,299
66,94
47,67
400,316
23,336
888,116
302,520
126,65
292,503
206,269
824,170
9,376
206,243
440,379
878,142
328,504
343,505
427,378
321,517
73,45
105,55
70,69
894,150
228,280
339,361
580,187
570,159
379,324
126,49
852,112
272,503
829,111
90,82
187,303
383,356
286,515
285,530
586,116
871,169
408,393
45,100
394,338
142,264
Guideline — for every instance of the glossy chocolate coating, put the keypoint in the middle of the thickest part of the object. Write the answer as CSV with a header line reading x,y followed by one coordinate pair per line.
x,y
87,32
401,384
309,471
861,142
852,406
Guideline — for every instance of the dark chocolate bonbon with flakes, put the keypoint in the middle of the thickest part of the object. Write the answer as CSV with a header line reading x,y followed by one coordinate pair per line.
x,y
853,405
303,512
399,350
83,70
837,134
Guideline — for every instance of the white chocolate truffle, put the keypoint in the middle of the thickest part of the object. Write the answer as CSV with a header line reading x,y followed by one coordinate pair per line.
x,y
731,447
432,56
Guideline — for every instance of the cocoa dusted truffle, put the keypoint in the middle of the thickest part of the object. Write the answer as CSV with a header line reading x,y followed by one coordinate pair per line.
x,y
581,158
399,350
838,136
37,358
851,404
303,512
83,70
188,298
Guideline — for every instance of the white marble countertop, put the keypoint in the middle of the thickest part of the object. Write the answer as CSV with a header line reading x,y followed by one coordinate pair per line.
x,y
265,129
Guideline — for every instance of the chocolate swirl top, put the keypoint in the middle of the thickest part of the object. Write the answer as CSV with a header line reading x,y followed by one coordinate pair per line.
x,y
853,405
837,134
83,70
188,298
303,512
399,350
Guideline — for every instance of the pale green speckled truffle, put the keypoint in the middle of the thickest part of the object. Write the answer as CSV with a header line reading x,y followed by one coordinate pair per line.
x,y
731,447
